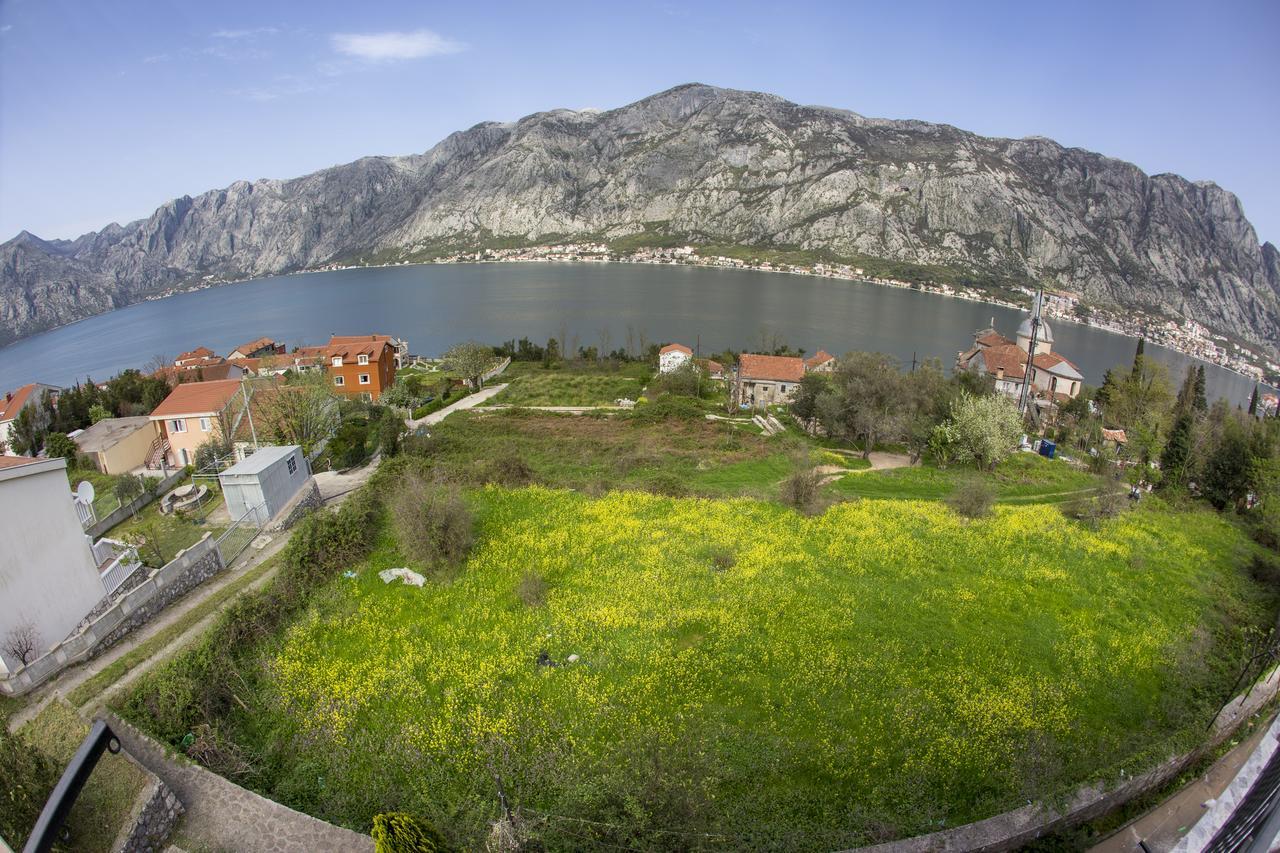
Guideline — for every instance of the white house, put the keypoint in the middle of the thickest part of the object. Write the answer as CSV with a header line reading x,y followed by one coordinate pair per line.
x,y
672,357
13,404
50,574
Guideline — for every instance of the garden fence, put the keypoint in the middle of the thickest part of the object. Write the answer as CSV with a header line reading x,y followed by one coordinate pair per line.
x,y
237,537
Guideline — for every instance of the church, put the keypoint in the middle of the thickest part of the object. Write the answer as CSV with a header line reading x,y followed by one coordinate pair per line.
x,y
1054,378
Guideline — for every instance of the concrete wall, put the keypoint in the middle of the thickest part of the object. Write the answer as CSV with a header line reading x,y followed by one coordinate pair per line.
x,y
128,453
187,570
48,577
151,821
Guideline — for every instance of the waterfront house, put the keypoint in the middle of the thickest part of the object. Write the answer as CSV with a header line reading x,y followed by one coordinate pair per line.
x,y
1054,378
820,362
51,574
673,357
765,380
193,413
256,349
13,404
360,366
198,357
117,445
399,347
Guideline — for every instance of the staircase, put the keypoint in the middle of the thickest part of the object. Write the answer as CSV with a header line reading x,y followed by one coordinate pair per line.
x,y
158,454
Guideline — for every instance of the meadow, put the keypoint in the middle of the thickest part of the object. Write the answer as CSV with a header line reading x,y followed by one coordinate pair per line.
x,y
688,673
531,385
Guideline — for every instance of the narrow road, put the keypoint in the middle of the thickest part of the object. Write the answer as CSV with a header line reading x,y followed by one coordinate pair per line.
x,y
468,402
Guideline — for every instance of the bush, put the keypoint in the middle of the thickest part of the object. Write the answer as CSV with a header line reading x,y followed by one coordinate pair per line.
x,y
129,486
684,381
509,470
972,498
397,832
209,452
533,589
390,433
800,490
58,444
723,559
349,446
433,524
666,484
667,408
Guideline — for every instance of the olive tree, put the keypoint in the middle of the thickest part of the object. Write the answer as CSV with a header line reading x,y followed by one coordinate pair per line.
x,y
471,360
983,430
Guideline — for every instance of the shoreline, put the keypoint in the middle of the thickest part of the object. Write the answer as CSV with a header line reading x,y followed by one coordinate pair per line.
x,y
925,289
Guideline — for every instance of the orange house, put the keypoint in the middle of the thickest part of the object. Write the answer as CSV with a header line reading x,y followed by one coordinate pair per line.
x,y
360,366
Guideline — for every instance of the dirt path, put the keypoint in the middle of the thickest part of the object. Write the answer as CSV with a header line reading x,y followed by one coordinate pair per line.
x,y
468,402
879,460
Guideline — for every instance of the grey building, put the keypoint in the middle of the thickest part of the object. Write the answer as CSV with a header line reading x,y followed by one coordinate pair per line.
x,y
265,481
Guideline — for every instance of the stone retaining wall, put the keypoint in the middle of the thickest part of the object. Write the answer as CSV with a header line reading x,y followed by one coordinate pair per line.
x,y
190,568
1013,829
228,817
307,499
151,820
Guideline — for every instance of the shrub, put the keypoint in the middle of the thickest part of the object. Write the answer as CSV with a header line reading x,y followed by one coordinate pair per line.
x,y
397,832
972,498
723,559
348,447
684,381
128,487
433,524
59,444
664,483
510,470
209,452
667,408
800,490
533,589
390,433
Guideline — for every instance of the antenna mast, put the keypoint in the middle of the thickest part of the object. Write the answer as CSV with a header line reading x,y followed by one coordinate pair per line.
x,y
1024,398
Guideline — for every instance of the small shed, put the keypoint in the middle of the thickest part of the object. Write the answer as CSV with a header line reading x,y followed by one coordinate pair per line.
x,y
265,481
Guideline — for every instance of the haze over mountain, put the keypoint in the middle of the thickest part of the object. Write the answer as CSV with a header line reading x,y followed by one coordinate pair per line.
x,y
703,165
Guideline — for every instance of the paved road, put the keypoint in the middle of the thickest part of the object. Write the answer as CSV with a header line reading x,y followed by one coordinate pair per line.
x,y
468,402
570,410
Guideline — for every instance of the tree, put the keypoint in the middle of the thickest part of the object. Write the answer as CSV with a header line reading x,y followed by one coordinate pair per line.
x,y
1228,472
985,429
551,355
59,444
1176,459
127,488
1253,402
470,360
929,398
804,402
27,433
22,643
303,412
1201,402
684,381
870,390
98,412
1139,356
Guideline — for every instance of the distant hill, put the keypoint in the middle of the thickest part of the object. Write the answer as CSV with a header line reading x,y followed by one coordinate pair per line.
x,y
706,166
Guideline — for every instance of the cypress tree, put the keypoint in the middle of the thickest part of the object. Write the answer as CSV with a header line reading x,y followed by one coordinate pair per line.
x,y
1253,402
1201,403
1175,459
1138,356
1187,393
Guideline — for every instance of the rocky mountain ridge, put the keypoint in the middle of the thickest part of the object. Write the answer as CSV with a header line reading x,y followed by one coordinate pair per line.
x,y
706,166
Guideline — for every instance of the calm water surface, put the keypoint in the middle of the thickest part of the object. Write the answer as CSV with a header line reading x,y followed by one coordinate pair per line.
x,y
434,306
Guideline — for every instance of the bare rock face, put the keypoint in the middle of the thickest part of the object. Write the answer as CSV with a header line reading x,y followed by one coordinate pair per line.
x,y
704,165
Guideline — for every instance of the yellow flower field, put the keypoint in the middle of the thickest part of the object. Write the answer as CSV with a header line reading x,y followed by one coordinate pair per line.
x,y
749,677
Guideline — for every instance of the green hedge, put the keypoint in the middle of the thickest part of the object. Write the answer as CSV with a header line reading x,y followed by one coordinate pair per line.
x,y
440,402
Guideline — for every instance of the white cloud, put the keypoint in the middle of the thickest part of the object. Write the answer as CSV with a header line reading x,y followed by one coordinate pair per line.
x,y
6,28
242,34
382,47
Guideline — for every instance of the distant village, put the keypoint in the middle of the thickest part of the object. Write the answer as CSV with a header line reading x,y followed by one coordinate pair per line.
x,y
1187,337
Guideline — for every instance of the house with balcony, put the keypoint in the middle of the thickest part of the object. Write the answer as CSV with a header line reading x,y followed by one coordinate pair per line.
x,y
51,575
193,413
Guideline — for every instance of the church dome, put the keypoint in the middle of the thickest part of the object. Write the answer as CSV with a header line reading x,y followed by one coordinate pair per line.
x,y
1045,335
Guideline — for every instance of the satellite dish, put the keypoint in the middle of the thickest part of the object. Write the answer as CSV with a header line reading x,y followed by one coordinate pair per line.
x,y
84,492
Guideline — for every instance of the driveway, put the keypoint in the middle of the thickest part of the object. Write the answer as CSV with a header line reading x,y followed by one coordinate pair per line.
x,y
467,402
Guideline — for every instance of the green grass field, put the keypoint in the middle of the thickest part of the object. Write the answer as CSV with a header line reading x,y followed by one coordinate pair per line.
x,y
169,534
728,674
531,385
1021,477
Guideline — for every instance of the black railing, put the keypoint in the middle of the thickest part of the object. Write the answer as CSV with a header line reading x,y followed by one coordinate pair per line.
x,y
48,828
1253,824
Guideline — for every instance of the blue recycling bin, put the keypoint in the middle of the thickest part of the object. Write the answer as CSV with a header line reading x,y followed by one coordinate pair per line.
x,y
1047,448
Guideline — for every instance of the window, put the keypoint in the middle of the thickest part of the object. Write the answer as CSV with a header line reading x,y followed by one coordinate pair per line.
x,y
339,381
178,425
784,389
204,425
364,379
292,466
186,457
337,361
362,359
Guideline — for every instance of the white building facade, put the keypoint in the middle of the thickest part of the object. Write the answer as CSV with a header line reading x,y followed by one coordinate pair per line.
x,y
673,357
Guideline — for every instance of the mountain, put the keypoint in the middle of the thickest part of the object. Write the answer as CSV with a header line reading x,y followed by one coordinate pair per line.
x,y
701,165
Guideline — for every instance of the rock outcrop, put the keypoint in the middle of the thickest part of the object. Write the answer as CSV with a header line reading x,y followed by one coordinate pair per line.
x,y
703,165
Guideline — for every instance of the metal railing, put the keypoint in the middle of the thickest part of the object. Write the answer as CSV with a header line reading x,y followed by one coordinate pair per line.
x,y
242,531
121,561
48,830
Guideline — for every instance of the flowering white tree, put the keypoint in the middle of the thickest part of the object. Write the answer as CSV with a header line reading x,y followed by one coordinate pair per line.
x,y
983,430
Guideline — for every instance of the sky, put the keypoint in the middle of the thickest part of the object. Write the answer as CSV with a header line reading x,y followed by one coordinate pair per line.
x,y
109,109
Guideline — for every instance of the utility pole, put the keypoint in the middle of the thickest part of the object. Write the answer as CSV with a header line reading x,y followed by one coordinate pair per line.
x,y
1024,398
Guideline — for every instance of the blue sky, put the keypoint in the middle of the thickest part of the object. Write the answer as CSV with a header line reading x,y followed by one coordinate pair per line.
x,y
109,109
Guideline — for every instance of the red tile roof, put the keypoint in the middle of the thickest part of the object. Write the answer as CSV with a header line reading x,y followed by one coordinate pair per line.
x,y
676,348
819,358
254,346
778,368
1116,435
992,339
10,407
197,398
198,352
338,340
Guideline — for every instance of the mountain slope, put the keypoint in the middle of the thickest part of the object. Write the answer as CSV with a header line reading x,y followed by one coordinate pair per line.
x,y
704,165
